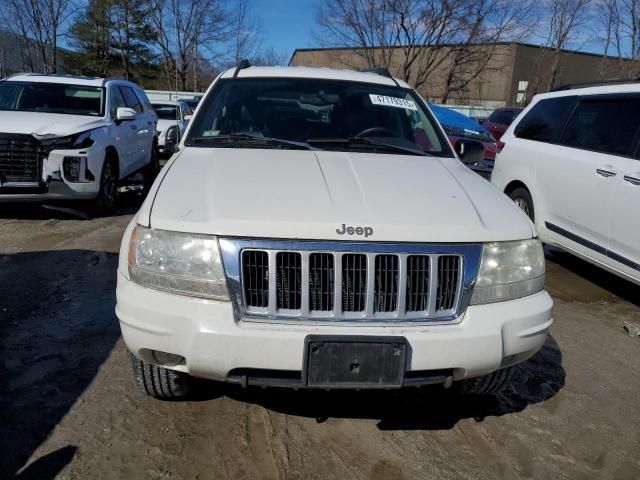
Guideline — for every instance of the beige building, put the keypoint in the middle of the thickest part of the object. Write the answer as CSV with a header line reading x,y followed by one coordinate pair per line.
x,y
491,75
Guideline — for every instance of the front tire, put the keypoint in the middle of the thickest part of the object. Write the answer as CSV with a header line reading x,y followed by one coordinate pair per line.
x,y
522,198
492,384
159,382
106,199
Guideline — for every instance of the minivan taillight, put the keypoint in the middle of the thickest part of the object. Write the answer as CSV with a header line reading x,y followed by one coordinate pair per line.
x,y
499,146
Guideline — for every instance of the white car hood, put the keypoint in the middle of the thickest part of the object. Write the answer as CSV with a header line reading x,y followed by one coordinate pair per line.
x,y
310,194
47,124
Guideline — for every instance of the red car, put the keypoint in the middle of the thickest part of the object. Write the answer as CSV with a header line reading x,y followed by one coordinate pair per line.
x,y
500,119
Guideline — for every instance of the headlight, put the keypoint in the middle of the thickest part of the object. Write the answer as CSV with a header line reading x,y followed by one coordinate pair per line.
x,y
76,141
509,270
181,263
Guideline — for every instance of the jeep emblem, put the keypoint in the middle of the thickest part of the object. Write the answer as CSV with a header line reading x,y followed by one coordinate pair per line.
x,y
366,231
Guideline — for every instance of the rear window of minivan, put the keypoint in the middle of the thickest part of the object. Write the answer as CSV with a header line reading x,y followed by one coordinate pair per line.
x,y
546,120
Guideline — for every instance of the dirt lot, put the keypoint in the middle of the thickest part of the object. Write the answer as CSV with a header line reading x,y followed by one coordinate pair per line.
x,y
68,408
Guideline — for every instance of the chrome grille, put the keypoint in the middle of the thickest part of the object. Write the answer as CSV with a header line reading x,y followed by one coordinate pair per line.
x,y
21,158
339,281
386,288
255,273
321,282
354,282
448,273
288,280
417,296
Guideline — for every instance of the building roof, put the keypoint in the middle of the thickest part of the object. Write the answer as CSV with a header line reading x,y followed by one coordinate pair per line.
x,y
522,44
319,73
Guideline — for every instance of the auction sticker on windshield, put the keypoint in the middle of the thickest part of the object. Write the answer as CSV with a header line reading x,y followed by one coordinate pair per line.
x,y
392,102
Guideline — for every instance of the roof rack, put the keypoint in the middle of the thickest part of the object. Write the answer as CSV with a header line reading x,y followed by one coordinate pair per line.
x,y
384,71
242,64
595,83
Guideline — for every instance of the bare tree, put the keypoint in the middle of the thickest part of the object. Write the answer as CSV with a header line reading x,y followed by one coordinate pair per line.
x,y
376,29
246,32
415,38
618,24
39,24
566,17
485,23
186,29
268,57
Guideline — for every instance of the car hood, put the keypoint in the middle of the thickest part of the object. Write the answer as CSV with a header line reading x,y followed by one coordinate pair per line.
x,y
47,124
311,194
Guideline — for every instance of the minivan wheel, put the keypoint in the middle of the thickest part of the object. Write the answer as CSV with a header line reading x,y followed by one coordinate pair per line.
x,y
106,198
491,384
522,198
157,381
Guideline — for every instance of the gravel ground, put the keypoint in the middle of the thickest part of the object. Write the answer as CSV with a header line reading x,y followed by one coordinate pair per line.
x,y
69,409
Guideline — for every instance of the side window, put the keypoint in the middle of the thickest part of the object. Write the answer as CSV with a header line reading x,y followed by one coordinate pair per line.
x,y
117,101
144,100
607,125
546,120
502,117
131,99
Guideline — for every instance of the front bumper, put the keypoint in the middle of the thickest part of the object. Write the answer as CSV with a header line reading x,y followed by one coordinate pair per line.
x,y
216,345
53,185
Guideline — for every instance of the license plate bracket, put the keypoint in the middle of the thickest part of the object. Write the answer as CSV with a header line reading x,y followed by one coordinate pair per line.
x,y
354,361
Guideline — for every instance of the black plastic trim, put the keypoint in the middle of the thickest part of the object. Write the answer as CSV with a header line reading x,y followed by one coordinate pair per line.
x,y
593,246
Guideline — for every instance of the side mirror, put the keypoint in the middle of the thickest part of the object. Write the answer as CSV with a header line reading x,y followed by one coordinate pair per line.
x,y
188,117
125,113
469,151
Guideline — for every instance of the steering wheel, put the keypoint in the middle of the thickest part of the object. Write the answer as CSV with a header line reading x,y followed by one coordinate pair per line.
x,y
368,131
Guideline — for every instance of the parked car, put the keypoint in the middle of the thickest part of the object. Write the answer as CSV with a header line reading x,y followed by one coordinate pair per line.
x,y
173,118
316,230
500,119
571,162
192,102
461,129
73,138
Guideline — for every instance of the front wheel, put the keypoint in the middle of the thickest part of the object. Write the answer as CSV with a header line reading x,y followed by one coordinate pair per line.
x,y
522,198
492,384
106,199
157,381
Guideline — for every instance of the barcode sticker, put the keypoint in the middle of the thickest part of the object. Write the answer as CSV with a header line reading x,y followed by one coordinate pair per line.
x,y
392,102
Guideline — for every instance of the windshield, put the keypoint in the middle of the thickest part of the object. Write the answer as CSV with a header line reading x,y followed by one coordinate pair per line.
x,y
52,98
327,114
165,112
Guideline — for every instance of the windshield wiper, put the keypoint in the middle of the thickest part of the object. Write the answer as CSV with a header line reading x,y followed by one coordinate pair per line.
x,y
243,137
365,141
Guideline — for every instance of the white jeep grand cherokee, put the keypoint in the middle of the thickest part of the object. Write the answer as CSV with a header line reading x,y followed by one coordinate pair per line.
x,y
316,230
71,138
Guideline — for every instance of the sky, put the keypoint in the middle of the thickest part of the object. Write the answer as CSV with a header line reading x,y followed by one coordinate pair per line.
x,y
287,24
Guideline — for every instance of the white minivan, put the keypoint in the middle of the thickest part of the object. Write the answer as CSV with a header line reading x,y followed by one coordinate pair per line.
x,y
571,161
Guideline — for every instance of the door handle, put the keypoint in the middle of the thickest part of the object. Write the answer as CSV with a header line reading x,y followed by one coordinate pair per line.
x,y
605,173
632,180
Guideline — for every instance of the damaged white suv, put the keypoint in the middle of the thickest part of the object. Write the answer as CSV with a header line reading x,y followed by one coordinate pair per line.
x,y
66,137
316,230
